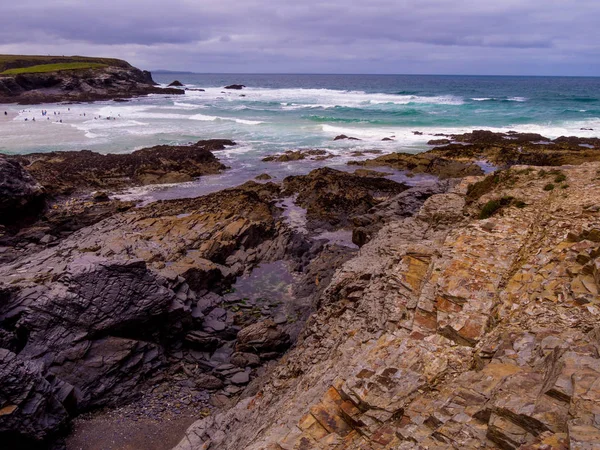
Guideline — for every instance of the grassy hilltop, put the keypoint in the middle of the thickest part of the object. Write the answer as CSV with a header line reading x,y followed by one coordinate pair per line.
x,y
22,64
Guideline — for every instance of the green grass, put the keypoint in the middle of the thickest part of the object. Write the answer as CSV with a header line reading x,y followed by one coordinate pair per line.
x,y
549,187
560,178
493,206
8,62
44,68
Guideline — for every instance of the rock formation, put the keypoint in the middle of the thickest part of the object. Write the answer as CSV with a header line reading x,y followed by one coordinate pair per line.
x,y
447,331
115,79
467,319
67,172
428,163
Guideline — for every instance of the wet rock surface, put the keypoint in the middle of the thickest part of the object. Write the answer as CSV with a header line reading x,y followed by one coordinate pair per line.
x,y
427,163
297,155
467,319
331,196
446,331
506,149
68,172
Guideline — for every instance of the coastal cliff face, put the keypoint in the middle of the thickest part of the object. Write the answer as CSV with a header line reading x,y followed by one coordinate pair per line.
x,y
447,331
115,81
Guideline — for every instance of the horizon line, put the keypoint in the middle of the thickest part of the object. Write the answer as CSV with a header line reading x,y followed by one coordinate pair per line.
x,y
167,71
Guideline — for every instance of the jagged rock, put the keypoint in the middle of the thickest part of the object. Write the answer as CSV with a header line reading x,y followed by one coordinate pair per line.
x,y
241,359
207,381
32,408
119,80
265,336
66,172
506,149
236,87
21,196
176,83
290,155
331,196
98,310
427,163
442,334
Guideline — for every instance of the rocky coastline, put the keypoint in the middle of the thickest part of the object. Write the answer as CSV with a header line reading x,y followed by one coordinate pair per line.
x,y
117,80
463,313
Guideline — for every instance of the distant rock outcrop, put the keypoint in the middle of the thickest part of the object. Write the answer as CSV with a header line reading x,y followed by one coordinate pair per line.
x,y
67,172
236,87
176,83
114,80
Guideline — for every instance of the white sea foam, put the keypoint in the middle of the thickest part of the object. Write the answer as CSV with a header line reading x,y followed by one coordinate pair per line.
x,y
205,118
517,99
326,98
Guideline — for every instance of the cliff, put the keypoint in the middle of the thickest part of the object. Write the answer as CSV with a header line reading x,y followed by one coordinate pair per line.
x,y
35,79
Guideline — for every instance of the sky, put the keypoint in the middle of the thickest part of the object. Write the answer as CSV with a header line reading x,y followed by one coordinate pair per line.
x,y
486,37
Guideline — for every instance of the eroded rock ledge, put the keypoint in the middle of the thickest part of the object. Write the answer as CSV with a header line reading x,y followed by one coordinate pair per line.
x,y
117,81
447,331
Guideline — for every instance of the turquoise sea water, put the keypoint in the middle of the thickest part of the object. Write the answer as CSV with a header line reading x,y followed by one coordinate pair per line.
x,y
279,112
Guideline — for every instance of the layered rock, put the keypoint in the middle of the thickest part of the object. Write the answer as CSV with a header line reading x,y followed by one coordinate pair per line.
x,y
506,149
297,155
332,197
427,163
116,81
94,319
447,331
71,171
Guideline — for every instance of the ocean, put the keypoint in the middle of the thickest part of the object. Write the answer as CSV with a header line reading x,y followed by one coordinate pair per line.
x,y
288,112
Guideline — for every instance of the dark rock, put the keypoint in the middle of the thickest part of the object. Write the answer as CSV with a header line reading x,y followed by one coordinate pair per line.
x,y
214,325
235,86
241,378
32,407
263,176
66,172
100,196
118,81
207,381
176,83
438,142
398,207
387,139
89,333
507,149
21,197
331,196
202,341
241,359
299,155
343,136
427,162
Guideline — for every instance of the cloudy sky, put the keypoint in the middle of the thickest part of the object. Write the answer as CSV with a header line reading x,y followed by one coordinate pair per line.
x,y
506,37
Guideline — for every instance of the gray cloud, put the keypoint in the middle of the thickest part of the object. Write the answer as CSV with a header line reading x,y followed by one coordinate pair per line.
x,y
410,36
